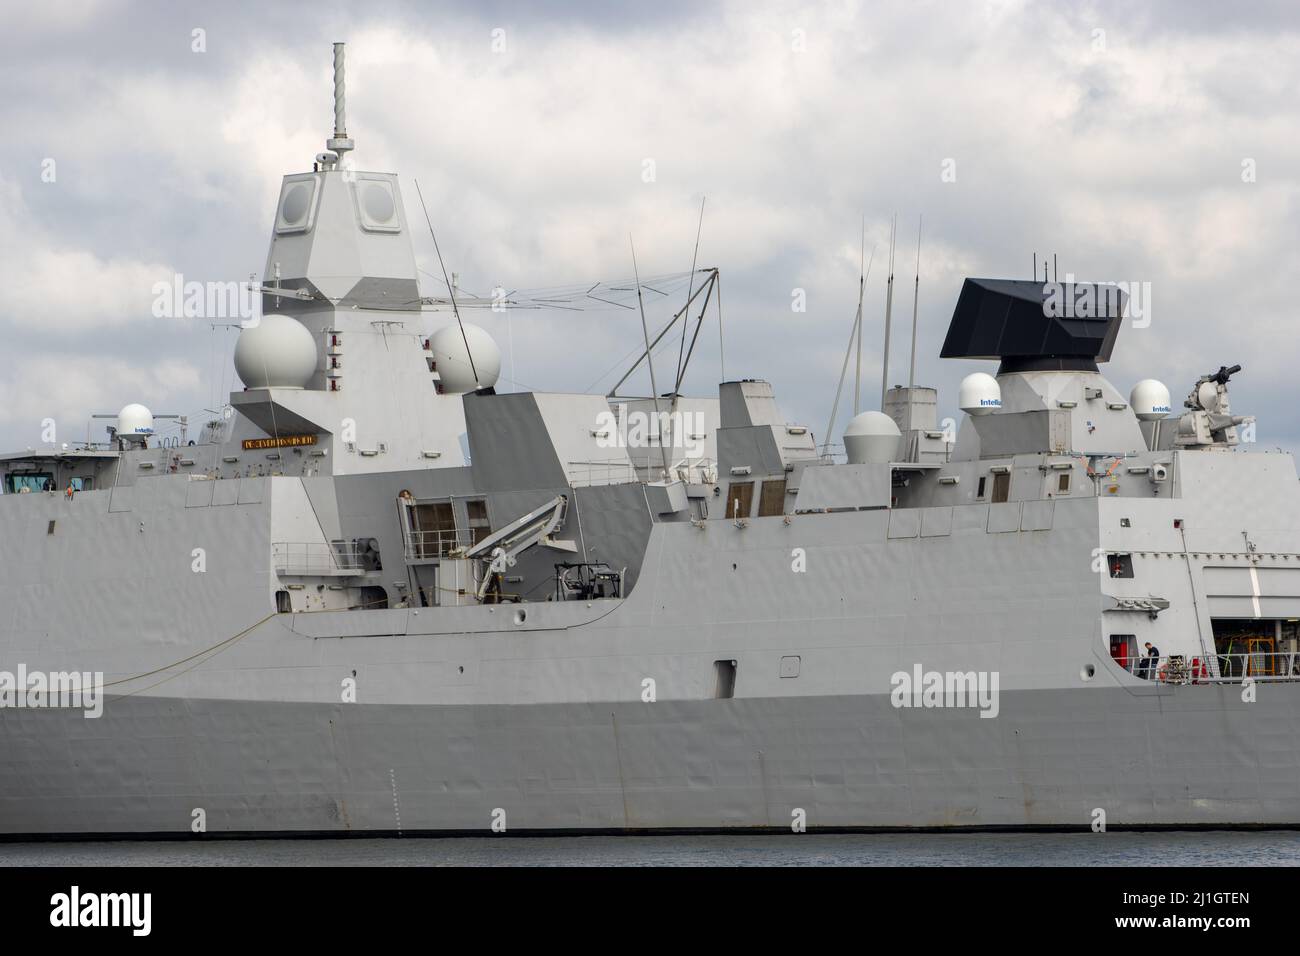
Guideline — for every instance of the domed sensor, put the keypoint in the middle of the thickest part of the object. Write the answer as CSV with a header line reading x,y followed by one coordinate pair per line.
x,y
278,352
463,371
294,208
379,203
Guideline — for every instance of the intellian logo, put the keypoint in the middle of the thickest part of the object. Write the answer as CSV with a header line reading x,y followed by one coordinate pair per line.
x,y
103,909
946,689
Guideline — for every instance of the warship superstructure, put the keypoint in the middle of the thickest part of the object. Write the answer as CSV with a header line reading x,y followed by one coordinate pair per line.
x,y
398,600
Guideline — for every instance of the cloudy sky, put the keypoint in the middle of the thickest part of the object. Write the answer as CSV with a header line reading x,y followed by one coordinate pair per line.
x,y
1146,144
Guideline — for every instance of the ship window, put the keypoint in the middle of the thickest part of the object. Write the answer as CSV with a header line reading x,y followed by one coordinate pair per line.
x,y
1120,565
724,684
1001,487
1063,483
740,498
772,500
477,517
282,603
30,481
50,529
979,492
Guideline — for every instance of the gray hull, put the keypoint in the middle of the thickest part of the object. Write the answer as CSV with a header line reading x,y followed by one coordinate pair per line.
x,y
1186,755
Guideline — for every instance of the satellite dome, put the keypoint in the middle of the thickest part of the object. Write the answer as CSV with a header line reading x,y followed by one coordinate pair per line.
x,y
1149,400
134,420
871,438
278,352
979,394
454,367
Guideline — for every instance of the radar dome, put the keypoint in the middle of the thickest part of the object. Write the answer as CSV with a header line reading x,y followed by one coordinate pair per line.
x,y
455,369
871,438
1149,400
278,352
134,420
979,394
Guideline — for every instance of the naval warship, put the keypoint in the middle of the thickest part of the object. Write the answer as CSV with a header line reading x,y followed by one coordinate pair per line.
x,y
400,601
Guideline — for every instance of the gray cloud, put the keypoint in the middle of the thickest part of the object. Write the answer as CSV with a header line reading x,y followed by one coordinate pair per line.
x,y
1121,152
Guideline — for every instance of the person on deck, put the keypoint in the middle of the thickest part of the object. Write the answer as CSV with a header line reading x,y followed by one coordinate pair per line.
x,y
1148,663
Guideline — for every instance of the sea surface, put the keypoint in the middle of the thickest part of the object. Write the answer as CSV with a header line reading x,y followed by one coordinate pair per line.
x,y
1192,848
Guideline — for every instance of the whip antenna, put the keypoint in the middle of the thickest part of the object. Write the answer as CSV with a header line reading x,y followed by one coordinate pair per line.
x,y
451,288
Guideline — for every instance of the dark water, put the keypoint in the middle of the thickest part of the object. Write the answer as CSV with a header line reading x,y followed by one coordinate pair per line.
x,y
1272,848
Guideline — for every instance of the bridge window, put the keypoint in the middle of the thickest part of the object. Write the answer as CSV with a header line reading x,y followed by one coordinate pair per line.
x,y
27,481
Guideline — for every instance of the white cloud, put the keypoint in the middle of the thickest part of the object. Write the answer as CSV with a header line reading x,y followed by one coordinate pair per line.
x,y
70,389
52,284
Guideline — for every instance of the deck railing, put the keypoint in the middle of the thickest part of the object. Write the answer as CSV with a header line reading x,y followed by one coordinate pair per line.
x,y
423,545
315,557
1220,669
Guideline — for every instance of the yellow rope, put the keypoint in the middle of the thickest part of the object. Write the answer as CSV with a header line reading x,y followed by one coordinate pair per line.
x,y
159,670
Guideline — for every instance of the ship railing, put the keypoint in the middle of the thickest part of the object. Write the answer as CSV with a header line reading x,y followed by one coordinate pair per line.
x,y
424,545
1220,669
316,557
649,467
601,471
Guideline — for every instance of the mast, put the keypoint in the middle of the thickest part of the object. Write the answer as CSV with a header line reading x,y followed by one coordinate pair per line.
x,y
855,335
857,324
339,142
916,291
889,306
650,361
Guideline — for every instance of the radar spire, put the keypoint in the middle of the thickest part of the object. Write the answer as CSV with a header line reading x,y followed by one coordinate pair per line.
x,y
339,142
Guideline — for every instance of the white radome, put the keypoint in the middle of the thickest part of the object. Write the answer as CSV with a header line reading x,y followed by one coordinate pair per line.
x,y
979,394
134,419
1149,400
454,367
278,352
871,438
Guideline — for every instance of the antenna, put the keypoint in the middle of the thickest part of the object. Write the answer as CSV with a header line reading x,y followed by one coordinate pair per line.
x,y
1034,274
857,324
856,333
339,143
889,308
681,349
1054,273
916,293
451,286
645,331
